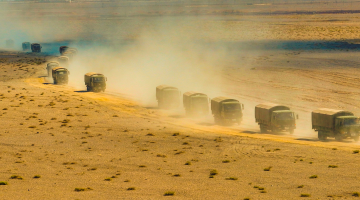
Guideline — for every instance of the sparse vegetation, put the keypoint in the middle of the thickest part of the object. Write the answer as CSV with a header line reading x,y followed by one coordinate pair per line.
x,y
213,173
355,194
231,178
115,116
176,134
188,163
267,169
333,166
32,126
142,166
313,176
82,189
356,151
150,134
169,193
131,188
3,183
16,177
334,148
305,195
225,161
37,176
107,179
300,186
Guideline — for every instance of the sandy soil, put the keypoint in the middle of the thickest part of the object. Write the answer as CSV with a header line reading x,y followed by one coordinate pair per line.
x,y
57,139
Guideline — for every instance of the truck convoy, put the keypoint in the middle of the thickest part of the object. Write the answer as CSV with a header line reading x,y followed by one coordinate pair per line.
x,y
226,110
36,47
60,75
275,117
196,104
26,46
168,97
95,82
335,123
50,66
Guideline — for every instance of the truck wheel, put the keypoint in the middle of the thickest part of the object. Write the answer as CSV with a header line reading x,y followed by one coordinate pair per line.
x,y
262,129
338,137
356,138
321,136
291,131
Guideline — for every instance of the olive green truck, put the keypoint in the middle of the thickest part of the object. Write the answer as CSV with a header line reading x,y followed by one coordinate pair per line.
x,y
196,104
60,75
335,123
226,110
95,82
275,117
168,97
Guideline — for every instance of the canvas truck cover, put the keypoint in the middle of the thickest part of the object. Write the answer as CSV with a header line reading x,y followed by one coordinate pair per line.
x,y
160,88
263,111
57,68
215,103
187,96
325,117
53,63
89,75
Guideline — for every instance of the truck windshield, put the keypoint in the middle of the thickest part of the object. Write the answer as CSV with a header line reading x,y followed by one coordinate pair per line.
x,y
98,79
351,121
231,106
285,116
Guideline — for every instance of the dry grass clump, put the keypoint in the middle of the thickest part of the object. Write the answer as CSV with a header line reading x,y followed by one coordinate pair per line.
x,y
305,195
82,189
3,183
176,134
267,169
225,161
355,194
169,193
188,163
356,151
313,176
37,176
16,177
131,188
332,166
231,178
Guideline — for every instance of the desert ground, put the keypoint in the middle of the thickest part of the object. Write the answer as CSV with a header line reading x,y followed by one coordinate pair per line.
x,y
61,142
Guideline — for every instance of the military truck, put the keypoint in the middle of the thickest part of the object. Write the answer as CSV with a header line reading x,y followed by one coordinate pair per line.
x,y
50,66
60,75
275,117
168,97
226,110
36,47
26,46
335,123
64,61
196,104
95,82
62,49
9,43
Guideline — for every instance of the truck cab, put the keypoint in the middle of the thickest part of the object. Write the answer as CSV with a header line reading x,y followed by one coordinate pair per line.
x,y
347,126
35,47
95,82
60,75
226,110
168,97
196,104
283,118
